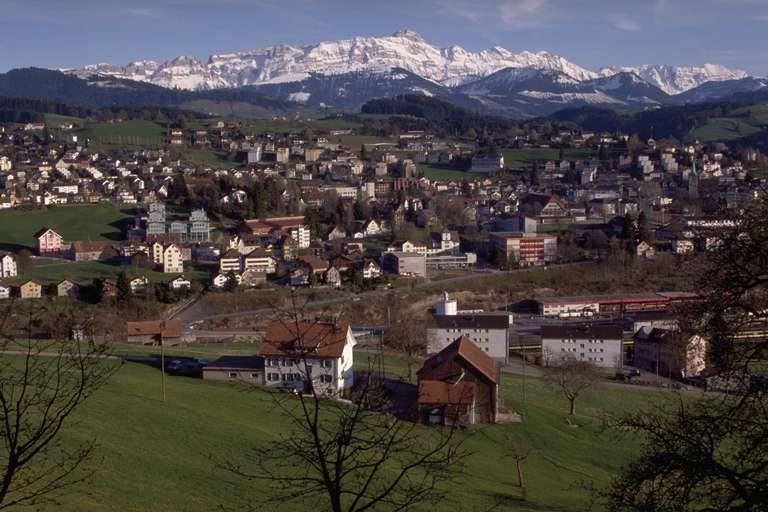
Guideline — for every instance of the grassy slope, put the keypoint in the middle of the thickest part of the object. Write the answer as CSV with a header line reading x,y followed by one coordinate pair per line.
x,y
90,222
515,158
83,272
741,123
438,173
158,456
128,133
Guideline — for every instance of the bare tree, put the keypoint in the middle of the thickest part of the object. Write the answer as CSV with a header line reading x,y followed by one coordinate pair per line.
x,y
42,384
354,454
407,335
573,378
710,453
519,452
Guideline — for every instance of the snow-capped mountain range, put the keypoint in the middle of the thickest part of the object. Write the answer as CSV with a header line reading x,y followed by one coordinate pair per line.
x,y
678,79
450,67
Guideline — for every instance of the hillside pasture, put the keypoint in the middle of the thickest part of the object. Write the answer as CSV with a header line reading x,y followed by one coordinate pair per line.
x,y
125,134
103,221
156,455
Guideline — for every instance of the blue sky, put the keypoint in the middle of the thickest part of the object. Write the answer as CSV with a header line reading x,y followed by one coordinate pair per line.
x,y
592,33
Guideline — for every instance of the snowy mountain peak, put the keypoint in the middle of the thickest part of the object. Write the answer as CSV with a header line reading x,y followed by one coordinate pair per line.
x,y
408,34
405,49
678,79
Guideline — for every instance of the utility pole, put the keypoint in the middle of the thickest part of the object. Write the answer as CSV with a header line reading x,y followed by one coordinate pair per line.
x,y
162,367
523,360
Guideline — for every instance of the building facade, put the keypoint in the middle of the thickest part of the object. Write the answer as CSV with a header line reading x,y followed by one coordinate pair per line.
x,y
309,356
601,345
489,331
523,249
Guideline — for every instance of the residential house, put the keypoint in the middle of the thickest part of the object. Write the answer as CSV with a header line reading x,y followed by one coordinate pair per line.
x,y
154,332
682,246
92,250
333,277
222,280
8,266
173,262
547,209
337,233
309,356
370,270
645,250
30,290
247,369
445,242
157,253
67,288
670,353
251,278
49,243
372,228
139,285
5,291
459,386
601,345
408,246
180,283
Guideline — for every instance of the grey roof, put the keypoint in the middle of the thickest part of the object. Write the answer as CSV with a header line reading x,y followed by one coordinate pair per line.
x,y
237,363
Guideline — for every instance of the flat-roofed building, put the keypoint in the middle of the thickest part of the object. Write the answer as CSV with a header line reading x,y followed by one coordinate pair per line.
x,y
489,331
404,263
601,345
523,249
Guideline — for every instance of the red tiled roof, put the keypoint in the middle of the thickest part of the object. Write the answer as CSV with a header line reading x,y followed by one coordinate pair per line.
x,y
278,223
471,354
314,339
166,328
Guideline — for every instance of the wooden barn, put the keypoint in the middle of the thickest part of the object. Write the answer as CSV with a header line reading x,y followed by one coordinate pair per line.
x,y
459,386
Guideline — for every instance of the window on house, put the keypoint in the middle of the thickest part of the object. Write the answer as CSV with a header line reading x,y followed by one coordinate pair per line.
x,y
232,375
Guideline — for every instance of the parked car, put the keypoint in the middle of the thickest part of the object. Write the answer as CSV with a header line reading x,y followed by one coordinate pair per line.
x,y
630,372
188,366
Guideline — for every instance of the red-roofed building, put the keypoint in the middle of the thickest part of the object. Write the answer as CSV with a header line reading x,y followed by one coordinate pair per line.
x,y
308,355
49,243
154,332
293,227
459,385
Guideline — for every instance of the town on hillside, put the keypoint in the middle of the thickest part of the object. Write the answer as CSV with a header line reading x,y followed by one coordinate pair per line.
x,y
447,299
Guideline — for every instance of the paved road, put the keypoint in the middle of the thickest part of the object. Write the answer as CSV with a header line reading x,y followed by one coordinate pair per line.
x,y
194,312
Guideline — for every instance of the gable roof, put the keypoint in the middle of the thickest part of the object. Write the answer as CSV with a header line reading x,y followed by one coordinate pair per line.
x,y
471,354
165,328
43,231
313,339
90,246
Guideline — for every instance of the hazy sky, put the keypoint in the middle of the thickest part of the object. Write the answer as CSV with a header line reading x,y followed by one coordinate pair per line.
x,y
592,33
